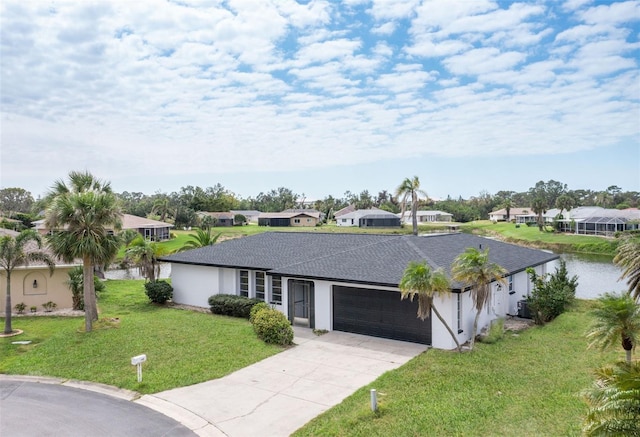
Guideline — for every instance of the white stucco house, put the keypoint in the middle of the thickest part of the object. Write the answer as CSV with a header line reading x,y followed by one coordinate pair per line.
x,y
427,217
349,282
369,218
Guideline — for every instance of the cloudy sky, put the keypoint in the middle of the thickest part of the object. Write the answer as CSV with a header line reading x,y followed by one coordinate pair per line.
x,y
321,97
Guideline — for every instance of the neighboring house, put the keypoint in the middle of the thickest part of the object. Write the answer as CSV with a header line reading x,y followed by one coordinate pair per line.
x,y
428,217
594,220
369,218
349,282
518,215
346,210
250,215
303,217
153,230
32,284
221,218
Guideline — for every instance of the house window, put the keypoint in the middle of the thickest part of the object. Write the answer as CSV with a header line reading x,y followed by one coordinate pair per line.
x,y
260,285
510,284
459,312
308,220
344,220
244,283
276,289
296,220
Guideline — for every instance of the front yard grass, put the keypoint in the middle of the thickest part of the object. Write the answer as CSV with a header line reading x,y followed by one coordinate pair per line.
x,y
527,384
182,347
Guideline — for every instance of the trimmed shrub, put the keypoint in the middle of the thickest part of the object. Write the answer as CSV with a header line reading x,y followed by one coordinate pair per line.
x,y
257,307
272,327
232,305
552,293
158,291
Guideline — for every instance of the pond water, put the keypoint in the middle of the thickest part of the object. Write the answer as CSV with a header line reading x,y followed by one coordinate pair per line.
x,y
597,274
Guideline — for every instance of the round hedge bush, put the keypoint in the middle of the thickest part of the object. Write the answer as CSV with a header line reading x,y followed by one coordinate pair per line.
x,y
158,291
272,326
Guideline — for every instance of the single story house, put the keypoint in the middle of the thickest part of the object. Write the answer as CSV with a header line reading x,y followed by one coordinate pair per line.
x,y
594,220
346,210
221,218
153,230
250,215
369,218
33,285
303,217
428,217
349,282
518,215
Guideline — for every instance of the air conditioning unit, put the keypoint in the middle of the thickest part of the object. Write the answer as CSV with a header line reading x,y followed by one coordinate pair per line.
x,y
523,309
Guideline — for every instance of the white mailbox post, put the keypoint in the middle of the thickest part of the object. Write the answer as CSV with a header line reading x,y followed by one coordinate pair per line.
x,y
137,361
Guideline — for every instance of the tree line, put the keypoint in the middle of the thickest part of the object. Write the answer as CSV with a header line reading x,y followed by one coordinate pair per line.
x,y
180,207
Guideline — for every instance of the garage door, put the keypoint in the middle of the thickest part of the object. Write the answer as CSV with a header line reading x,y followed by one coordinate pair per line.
x,y
378,313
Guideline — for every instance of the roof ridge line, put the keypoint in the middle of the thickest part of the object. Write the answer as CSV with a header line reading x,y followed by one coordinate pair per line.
x,y
420,252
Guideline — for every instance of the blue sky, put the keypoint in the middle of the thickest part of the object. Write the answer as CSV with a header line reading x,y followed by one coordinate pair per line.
x,y
321,97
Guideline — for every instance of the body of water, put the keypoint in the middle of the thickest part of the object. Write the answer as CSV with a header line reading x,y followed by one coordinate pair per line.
x,y
596,274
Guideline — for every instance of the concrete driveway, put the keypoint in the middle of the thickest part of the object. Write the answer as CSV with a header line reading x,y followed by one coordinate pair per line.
x,y
278,395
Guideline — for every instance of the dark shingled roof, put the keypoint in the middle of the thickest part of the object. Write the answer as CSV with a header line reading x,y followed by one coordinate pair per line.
x,y
356,258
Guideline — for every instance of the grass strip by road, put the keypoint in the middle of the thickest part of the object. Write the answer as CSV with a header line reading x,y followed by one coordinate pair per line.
x,y
526,384
182,347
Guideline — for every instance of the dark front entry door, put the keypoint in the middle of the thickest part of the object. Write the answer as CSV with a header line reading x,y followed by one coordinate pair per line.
x,y
378,313
301,307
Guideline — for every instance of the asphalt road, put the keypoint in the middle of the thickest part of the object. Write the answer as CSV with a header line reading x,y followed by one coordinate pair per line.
x,y
30,409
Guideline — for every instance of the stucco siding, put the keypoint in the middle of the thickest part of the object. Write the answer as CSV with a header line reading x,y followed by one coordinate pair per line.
x,y
192,285
47,288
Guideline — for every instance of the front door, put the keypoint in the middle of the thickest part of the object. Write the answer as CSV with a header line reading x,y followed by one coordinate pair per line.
x,y
301,307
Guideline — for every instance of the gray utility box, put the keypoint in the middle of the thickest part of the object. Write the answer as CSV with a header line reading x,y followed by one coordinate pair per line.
x,y
523,309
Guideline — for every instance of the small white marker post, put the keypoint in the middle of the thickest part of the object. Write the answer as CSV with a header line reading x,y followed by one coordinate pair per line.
x,y
137,361
374,400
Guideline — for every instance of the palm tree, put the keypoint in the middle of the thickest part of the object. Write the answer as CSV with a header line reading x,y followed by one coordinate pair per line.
x,y
628,257
410,188
614,401
419,280
83,216
507,204
617,319
565,202
473,268
20,251
76,285
161,206
146,255
202,238
539,206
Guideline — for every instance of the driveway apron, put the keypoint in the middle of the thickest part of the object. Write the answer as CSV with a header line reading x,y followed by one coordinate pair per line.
x,y
278,395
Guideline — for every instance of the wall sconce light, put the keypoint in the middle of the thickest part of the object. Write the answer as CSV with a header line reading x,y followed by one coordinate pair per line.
x,y
499,288
35,283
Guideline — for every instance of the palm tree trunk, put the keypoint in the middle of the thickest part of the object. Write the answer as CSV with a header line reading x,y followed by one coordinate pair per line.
x,y
90,312
475,329
628,355
7,308
446,325
414,210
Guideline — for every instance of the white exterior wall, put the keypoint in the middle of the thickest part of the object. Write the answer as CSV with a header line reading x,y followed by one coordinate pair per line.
x,y
346,222
323,301
192,285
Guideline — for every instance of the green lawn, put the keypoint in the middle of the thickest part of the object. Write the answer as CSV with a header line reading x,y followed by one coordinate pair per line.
x,y
182,347
523,385
531,235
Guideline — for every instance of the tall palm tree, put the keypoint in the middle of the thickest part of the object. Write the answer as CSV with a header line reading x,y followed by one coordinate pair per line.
x,y
507,204
473,268
419,280
565,202
161,206
410,188
82,216
202,238
539,207
146,255
16,251
617,319
614,401
628,257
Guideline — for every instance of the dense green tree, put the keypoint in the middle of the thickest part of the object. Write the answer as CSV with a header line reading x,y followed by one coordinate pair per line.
x,y
565,202
614,401
616,321
410,189
161,206
539,207
419,280
83,215
19,251
628,257
474,269
14,200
